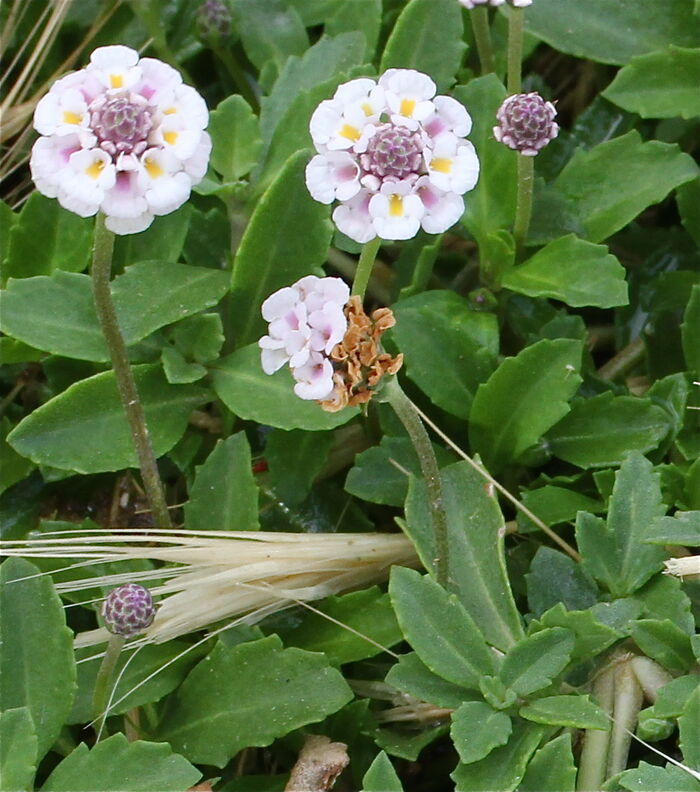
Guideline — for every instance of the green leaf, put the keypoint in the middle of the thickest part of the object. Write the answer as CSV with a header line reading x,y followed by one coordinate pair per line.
x,y
272,252
57,313
672,698
576,712
85,429
14,467
235,137
491,205
379,473
249,393
12,351
689,332
381,776
162,661
410,675
440,630
573,271
553,578
599,431
355,626
503,768
477,560
467,340
7,220
664,642
536,660
615,552
661,84
554,505
247,696
116,763
523,398
477,729
689,728
294,459
363,16
616,180
46,237
663,597
551,769
224,496
591,635
269,32
177,370
427,37
652,778
612,33
37,667
681,529
688,200
199,337
163,240
18,750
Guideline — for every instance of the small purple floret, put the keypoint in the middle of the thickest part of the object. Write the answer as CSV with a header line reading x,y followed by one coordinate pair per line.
x,y
393,151
128,610
122,123
526,123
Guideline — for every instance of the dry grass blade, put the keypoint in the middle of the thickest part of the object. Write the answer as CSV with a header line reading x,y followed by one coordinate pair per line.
x,y
218,575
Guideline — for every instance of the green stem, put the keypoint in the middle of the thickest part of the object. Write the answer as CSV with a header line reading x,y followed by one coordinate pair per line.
x,y
104,676
523,210
596,743
364,266
237,75
409,417
515,49
482,37
101,268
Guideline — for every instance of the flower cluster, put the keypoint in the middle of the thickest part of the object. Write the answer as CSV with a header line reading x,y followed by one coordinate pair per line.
x,y
123,136
332,347
394,155
213,21
526,123
474,3
128,610
306,321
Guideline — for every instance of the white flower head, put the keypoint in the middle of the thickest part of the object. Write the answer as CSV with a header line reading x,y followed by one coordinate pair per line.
x,y
378,143
306,321
123,136
474,3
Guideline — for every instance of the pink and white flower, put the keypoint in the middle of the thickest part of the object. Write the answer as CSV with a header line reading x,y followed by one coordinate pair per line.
x,y
123,136
306,321
394,156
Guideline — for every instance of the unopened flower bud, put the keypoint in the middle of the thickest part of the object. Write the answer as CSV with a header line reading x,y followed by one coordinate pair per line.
x,y
526,123
128,610
213,21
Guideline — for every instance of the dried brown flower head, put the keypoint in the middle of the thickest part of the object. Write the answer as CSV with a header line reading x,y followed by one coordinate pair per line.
x,y
358,360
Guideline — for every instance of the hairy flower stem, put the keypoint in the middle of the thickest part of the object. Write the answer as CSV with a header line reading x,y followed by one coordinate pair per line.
x,y
482,37
364,267
523,208
410,418
104,676
596,743
101,269
628,702
515,49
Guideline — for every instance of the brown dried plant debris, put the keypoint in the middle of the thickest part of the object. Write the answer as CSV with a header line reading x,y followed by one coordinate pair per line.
x,y
319,764
359,361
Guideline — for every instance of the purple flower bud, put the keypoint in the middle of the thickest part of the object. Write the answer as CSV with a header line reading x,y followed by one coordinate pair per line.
x,y
526,123
213,21
128,610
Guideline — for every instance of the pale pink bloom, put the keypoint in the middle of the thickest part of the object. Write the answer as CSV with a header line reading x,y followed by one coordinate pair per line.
x,y
306,321
376,142
123,136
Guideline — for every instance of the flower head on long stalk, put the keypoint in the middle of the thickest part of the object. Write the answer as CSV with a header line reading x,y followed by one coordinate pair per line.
x,y
123,136
394,155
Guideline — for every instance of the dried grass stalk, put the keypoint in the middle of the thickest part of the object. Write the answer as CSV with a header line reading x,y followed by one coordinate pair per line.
x,y
687,567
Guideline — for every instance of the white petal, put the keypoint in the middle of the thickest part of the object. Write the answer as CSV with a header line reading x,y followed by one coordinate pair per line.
x,y
158,80
272,360
50,157
332,175
125,200
314,379
115,67
408,83
442,210
352,218
196,165
279,303
354,90
168,193
395,216
129,225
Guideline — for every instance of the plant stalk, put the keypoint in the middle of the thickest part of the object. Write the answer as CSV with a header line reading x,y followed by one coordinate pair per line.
x,y
515,49
523,210
128,393
596,743
364,267
482,36
410,418
104,676
628,702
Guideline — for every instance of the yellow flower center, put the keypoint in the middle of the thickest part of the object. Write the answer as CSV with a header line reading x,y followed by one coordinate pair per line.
x,y
71,118
170,137
407,107
441,164
153,168
94,170
116,80
349,132
396,206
